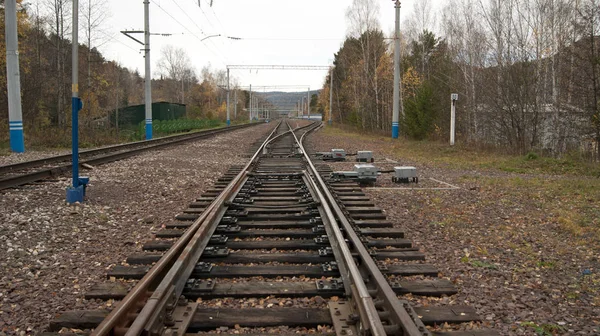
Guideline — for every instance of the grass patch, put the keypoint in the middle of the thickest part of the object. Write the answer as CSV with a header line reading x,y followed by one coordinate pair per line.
x,y
463,156
544,329
482,264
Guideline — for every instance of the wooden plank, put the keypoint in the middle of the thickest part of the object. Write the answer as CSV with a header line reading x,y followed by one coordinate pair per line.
x,y
383,243
356,216
127,272
81,319
406,255
279,224
436,287
178,225
261,289
363,210
382,232
412,269
169,233
353,198
106,291
359,203
143,258
294,258
450,314
212,318
466,333
294,244
373,223
187,217
266,271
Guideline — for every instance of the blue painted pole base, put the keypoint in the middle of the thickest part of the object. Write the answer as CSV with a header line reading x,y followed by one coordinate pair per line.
x,y
148,129
17,140
75,195
395,130
330,122
228,122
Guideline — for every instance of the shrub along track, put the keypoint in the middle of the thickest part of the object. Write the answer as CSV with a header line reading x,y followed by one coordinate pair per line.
x,y
32,171
290,247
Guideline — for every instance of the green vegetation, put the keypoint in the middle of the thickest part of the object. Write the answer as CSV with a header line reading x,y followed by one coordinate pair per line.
x,y
166,127
545,329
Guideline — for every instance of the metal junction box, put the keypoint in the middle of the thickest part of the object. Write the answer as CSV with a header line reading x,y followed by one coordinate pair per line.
x,y
405,175
364,156
338,154
364,173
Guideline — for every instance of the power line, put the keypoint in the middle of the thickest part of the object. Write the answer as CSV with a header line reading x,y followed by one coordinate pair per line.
x,y
186,14
220,57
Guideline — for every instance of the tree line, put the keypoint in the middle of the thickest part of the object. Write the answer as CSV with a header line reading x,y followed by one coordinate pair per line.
x,y
44,28
527,73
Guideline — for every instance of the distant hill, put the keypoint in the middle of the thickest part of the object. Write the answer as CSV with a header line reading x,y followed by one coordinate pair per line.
x,y
286,100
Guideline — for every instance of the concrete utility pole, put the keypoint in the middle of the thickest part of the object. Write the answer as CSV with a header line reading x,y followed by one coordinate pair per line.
x,y
13,78
148,94
250,104
454,98
235,102
397,79
228,119
330,96
308,104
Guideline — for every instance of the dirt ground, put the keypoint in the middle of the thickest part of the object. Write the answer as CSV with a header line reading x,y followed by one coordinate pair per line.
x,y
516,245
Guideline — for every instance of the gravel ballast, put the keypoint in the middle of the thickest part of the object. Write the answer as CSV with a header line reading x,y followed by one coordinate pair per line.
x,y
51,253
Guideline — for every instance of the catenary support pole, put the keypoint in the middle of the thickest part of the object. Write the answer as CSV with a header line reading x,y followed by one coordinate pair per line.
x,y
13,78
308,104
235,102
250,104
330,96
228,102
397,79
148,87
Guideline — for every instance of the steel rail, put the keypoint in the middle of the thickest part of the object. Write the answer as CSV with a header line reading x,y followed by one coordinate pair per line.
x,y
178,262
136,147
387,298
119,317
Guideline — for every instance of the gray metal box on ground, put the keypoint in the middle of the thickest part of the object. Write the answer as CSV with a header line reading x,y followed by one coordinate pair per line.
x,y
405,175
364,156
338,154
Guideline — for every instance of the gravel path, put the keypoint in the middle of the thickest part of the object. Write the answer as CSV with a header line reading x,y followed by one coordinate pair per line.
x,y
504,251
51,253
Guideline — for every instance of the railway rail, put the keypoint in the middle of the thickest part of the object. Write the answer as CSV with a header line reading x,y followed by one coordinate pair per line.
x,y
275,229
18,174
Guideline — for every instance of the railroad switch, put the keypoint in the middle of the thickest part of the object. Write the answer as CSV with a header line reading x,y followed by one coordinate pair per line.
x,y
228,220
333,285
236,213
215,252
316,220
203,267
228,228
330,267
342,316
218,240
334,155
323,240
319,229
326,252
199,285
363,173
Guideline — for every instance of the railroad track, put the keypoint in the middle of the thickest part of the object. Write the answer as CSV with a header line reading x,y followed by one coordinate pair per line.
x,y
283,246
37,170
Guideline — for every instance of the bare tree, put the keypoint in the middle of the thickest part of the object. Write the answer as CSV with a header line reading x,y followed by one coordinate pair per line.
x,y
59,25
93,20
176,66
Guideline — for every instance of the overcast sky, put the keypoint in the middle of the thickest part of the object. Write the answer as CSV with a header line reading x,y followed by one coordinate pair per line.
x,y
281,32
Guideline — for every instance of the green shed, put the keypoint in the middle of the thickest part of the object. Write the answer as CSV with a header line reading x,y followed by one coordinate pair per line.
x,y
133,115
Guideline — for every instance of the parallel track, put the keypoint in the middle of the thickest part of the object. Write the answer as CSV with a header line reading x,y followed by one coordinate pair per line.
x,y
275,228
36,170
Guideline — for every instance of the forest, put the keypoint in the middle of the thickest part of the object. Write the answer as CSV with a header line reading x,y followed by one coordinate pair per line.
x,y
44,29
527,73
